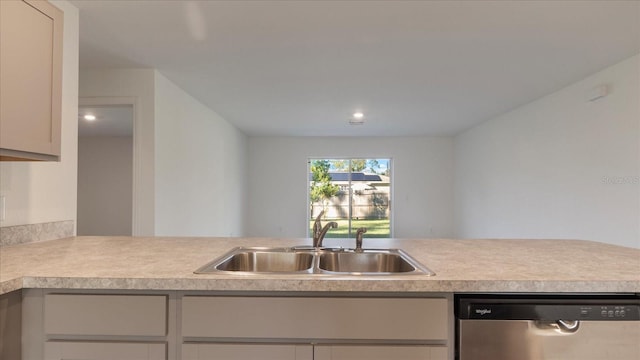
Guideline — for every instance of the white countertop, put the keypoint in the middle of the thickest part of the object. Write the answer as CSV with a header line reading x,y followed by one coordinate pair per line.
x,y
167,263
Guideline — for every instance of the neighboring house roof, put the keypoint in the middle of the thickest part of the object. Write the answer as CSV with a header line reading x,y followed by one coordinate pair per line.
x,y
356,176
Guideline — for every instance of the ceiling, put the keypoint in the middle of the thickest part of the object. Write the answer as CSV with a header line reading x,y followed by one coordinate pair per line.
x,y
301,68
110,121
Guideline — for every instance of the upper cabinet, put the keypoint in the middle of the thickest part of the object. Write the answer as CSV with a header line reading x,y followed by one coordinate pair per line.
x,y
30,80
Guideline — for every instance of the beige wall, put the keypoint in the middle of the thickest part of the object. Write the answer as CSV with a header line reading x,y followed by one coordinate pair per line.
x,y
38,192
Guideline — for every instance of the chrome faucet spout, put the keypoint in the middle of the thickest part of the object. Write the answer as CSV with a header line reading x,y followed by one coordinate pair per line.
x,y
359,235
317,228
319,231
323,232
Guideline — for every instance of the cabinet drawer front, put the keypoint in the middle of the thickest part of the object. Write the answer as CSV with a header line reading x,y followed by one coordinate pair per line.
x,y
104,351
246,351
373,352
126,315
315,318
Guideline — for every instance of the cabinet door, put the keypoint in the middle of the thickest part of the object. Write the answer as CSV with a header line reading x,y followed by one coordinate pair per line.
x,y
30,85
246,351
104,351
383,352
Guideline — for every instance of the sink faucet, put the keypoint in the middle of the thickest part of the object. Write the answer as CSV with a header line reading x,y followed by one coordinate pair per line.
x,y
359,233
319,231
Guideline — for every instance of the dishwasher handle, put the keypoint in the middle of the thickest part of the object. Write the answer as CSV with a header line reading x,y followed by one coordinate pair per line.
x,y
555,327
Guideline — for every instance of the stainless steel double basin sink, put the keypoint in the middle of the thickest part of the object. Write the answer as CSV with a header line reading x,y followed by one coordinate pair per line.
x,y
308,260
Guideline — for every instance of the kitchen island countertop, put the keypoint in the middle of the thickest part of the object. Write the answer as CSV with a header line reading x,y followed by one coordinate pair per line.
x,y
168,263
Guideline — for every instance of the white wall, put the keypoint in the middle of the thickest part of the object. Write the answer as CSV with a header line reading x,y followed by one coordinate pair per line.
x,y
200,167
105,185
422,202
190,163
38,192
541,170
139,85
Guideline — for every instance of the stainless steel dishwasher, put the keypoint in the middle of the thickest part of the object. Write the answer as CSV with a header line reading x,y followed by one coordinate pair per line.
x,y
548,327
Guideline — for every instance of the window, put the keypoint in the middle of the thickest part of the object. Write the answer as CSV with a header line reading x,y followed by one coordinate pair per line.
x,y
353,192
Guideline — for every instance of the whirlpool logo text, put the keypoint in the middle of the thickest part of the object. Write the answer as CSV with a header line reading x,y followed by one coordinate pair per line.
x,y
483,311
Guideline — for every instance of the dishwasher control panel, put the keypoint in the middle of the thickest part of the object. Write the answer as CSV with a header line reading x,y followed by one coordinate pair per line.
x,y
617,312
548,310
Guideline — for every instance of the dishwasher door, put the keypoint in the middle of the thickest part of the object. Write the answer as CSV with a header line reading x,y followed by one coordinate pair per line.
x,y
549,331
531,340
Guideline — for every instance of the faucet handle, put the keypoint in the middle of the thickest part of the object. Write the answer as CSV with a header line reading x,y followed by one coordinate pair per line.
x,y
359,236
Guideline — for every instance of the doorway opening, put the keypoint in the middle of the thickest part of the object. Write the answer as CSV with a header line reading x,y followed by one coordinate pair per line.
x,y
105,170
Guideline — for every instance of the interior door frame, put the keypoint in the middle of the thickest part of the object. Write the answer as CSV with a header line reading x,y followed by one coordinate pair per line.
x,y
126,101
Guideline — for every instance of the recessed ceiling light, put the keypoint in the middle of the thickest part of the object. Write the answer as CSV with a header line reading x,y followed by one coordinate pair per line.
x,y
357,118
90,117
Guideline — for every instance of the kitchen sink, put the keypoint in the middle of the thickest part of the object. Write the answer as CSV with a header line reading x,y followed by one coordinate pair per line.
x,y
308,260
262,260
367,261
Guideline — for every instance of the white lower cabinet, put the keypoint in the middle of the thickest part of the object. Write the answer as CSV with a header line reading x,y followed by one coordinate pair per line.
x,y
335,328
246,351
63,350
383,352
96,326
132,325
